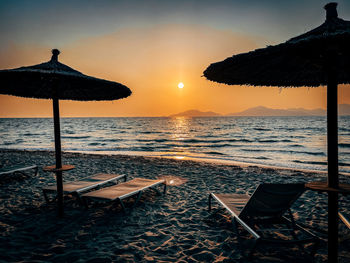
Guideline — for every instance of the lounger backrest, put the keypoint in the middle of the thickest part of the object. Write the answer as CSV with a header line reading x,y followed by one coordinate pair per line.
x,y
272,200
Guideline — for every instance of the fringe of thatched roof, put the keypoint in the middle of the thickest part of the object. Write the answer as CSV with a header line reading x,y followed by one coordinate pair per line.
x,y
55,80
301,61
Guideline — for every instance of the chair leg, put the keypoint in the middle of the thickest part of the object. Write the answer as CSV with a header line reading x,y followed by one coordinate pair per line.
x,y
122,205
209,202
137,198
36,169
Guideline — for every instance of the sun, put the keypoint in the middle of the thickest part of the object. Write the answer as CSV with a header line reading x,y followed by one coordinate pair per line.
x,y
180,85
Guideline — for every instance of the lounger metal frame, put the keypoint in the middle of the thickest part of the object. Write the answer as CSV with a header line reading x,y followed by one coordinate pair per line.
x,y
20,169
248,223
84,189
344,219
120,199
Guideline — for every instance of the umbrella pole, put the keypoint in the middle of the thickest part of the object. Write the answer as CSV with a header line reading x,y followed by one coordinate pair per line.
x,y
56,119
333,170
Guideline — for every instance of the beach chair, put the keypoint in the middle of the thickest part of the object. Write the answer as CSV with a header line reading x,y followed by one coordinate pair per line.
x,y
262,215
134,187
18,169
345,220
83,185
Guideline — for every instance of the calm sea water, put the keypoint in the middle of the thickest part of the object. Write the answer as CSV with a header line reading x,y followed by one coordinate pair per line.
x,y
296,142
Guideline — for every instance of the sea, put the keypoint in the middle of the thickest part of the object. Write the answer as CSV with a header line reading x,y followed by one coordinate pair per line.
x,y
289,142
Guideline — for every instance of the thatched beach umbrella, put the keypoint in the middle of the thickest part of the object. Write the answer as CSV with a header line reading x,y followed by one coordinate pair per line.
x,y
318,57
54,80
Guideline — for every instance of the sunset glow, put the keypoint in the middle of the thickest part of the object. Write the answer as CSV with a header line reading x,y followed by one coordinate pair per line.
x,y
155,54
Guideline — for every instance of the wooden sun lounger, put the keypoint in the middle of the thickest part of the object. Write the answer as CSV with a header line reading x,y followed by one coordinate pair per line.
x,y
124,190
83,185
345,220
18,169
266,207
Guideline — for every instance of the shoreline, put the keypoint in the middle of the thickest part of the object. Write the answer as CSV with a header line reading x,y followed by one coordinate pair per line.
x,y
186,158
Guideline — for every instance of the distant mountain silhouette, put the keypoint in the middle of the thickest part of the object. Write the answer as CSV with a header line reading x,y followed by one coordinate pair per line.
x,y
195,113
264,111
344,109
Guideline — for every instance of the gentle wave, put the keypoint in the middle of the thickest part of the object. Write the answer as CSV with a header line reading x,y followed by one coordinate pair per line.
x,y
97,143
75,137
319,163
261,158
310,162
296,145
215,153
31,134
298,142
273,141
284,151
262,129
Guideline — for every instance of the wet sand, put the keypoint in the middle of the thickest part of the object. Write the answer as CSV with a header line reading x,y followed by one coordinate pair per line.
x,y
175,227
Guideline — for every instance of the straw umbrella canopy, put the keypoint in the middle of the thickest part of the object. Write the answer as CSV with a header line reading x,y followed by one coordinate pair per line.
x,y
56,81
318,57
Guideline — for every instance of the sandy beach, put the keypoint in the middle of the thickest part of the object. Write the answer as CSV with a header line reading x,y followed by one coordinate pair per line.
x,y
175,227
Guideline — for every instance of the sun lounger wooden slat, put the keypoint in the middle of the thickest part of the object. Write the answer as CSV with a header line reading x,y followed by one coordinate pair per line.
x,y
17,169
232,202
124,190
85,184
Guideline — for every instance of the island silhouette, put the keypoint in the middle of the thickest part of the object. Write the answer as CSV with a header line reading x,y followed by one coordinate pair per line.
x,y
344,110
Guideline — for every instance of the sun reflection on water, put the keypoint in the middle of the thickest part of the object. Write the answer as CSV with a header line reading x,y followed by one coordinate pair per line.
x,y
180,128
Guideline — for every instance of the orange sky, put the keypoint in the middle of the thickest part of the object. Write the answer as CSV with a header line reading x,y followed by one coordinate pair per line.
x,y
151,61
